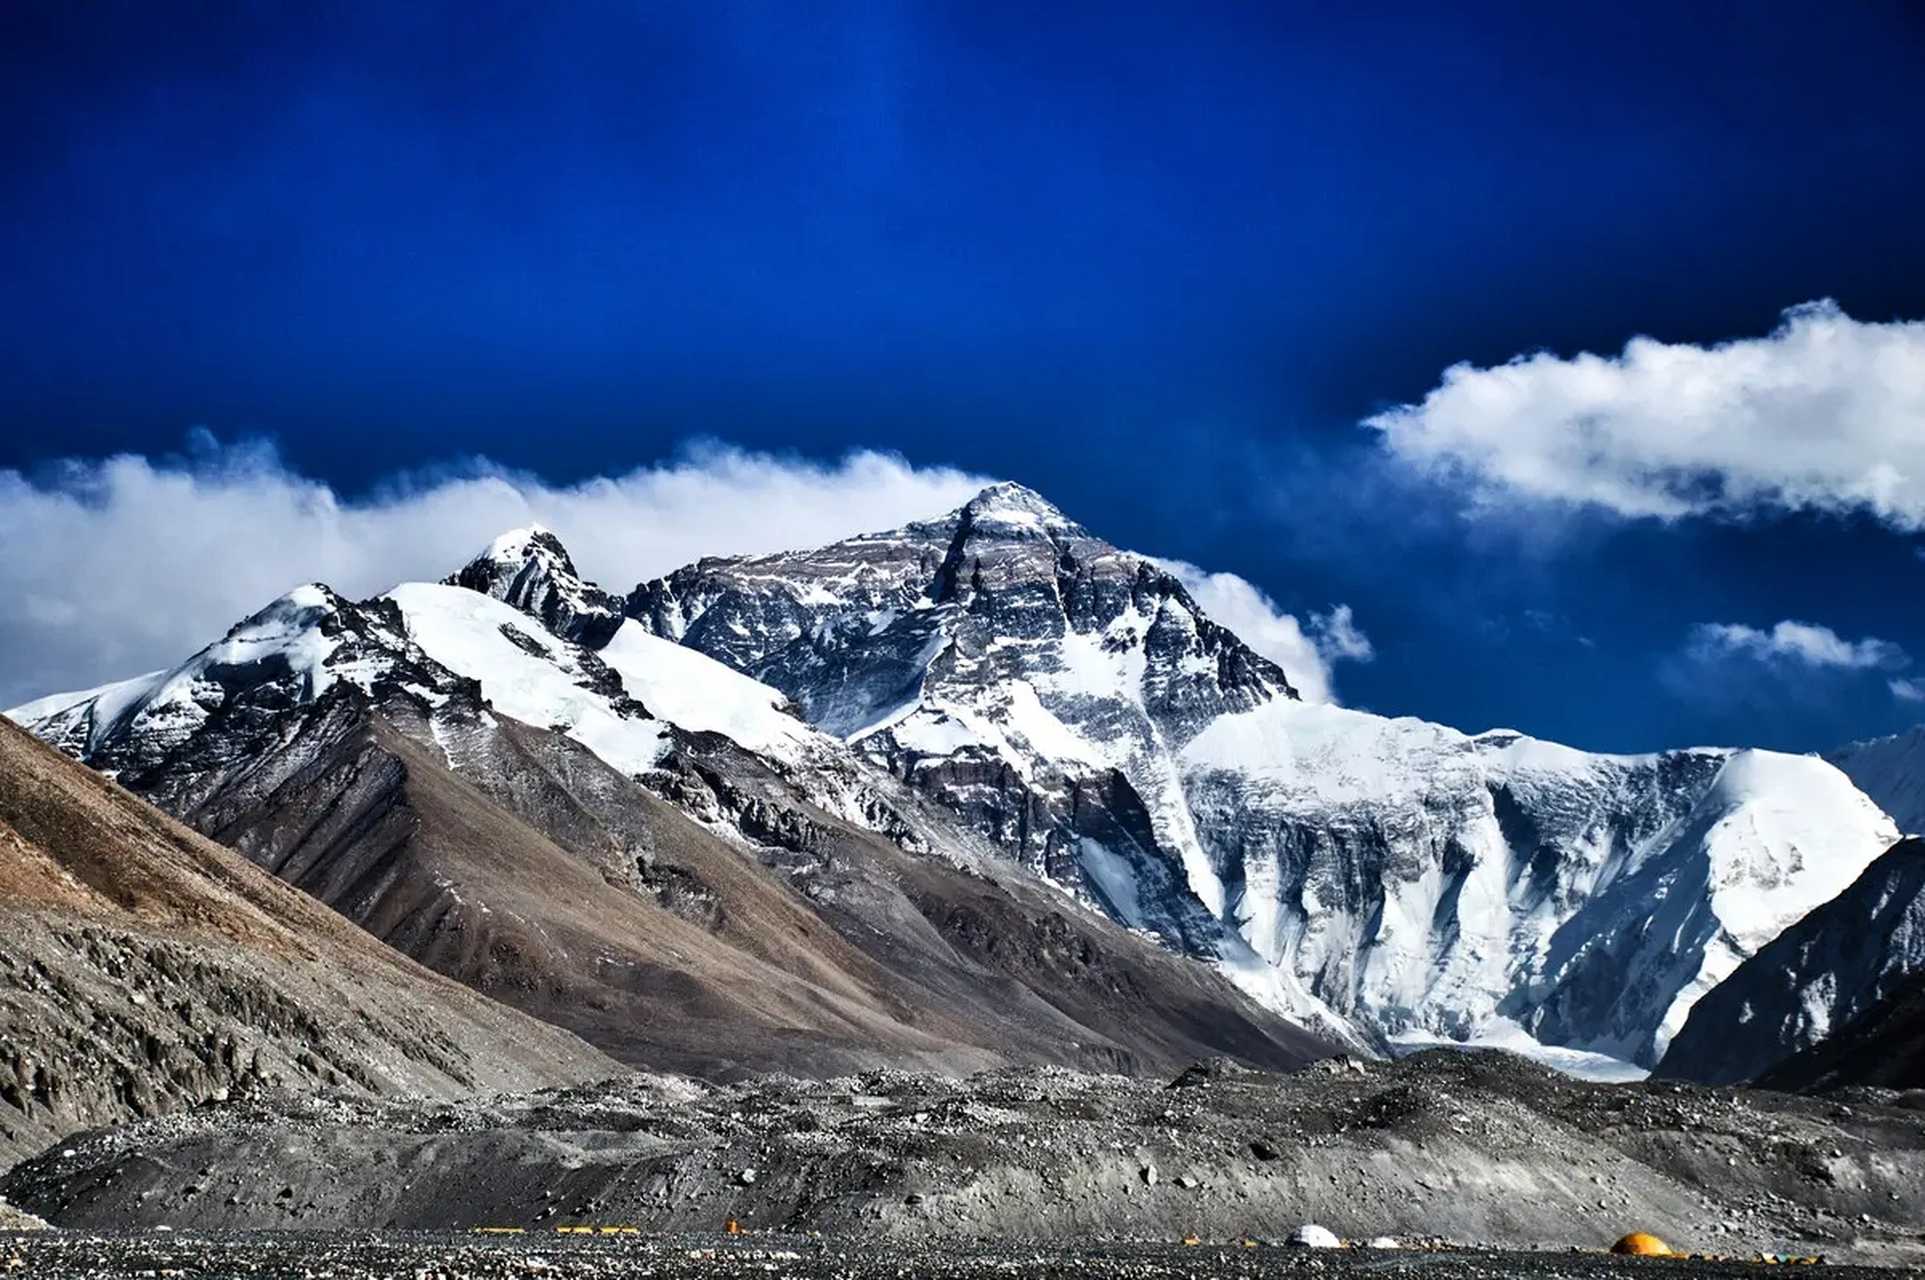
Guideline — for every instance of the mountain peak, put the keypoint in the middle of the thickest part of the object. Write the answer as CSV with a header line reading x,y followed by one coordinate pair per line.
x,y
530,569
529,542
298,610
1016,508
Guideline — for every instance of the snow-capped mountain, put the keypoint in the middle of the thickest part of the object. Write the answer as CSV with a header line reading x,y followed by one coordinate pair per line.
x,y
1818,975
1019,671
1444,885
1892,772
633,839
1071,701
1000,683
433,642
167,733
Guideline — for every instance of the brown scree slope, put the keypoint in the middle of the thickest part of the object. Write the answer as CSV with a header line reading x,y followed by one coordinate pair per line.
x,y
542,876
143,969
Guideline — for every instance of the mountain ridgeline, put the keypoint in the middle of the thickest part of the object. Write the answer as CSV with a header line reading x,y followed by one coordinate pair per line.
x,y
981,789
1827,971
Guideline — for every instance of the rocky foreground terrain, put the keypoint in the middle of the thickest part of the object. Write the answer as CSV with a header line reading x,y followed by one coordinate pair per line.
x,y
1481,1148
446,1257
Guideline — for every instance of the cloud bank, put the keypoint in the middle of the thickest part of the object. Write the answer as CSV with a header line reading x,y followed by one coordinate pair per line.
x,y
115,567
1305,652
1825,414
112,568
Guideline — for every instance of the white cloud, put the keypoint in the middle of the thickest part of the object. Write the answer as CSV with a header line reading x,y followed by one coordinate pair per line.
x,y
1306,653
1801,644
1826,414
115,567
1338,638
1728,662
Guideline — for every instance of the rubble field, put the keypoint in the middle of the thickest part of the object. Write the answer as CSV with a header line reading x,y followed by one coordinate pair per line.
x,y
1445,1148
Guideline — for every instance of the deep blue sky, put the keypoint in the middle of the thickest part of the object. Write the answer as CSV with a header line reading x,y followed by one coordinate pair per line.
x,y
1156,261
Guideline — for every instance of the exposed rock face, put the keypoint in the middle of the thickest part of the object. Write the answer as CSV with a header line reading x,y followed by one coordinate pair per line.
x,y
1883,1047
144,969
172,735
1021,672
1821,974
639,844
1070,702
531,570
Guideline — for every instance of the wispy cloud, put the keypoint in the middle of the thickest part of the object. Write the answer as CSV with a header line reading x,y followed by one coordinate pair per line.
x,y
1800,644
1823,414
1802,661
1305,650
109,568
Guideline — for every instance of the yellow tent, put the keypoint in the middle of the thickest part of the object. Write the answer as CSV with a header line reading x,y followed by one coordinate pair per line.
x,y
1643,1245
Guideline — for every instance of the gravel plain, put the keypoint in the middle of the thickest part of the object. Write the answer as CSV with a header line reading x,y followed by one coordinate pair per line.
x,y
1479,1150
554,1256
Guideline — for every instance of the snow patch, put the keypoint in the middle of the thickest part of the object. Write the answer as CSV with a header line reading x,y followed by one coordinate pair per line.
x,y
1510,1037
695,691
536,681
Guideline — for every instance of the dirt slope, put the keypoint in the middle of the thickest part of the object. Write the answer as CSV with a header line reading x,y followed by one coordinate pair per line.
x,y
143,969
538,874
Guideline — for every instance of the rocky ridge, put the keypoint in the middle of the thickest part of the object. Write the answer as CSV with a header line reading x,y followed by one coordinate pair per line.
x,y
1892,772
531,570
1883,1047
1829,968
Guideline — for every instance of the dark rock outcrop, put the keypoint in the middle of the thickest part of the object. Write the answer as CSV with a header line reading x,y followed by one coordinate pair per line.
x,y
1812,982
